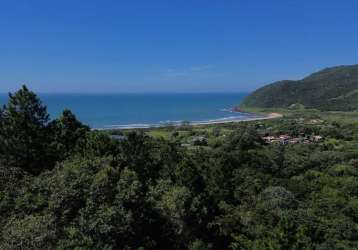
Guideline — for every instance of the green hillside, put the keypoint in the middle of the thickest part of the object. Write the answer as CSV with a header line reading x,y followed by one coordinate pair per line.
x,y
330,89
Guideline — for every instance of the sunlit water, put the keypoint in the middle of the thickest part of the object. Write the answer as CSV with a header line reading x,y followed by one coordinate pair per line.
x,y
144,110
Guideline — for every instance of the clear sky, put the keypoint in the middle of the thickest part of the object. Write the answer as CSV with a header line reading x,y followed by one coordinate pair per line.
x,y
171,45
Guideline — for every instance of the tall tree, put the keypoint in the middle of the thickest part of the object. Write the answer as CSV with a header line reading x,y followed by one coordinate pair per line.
x,y
66,133
23,134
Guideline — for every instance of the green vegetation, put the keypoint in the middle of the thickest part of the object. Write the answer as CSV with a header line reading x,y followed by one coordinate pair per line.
x,y
63,186
334,89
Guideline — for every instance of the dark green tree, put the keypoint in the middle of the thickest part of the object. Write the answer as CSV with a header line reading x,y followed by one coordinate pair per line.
x,y
66,132
23,132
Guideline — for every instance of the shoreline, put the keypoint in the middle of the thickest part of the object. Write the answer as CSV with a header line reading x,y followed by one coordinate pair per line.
x,y
255,117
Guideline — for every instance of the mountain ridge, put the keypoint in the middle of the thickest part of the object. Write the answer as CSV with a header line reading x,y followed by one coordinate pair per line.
x,y
331,89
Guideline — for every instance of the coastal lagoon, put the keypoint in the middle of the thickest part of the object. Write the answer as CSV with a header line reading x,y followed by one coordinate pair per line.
x,y
110,111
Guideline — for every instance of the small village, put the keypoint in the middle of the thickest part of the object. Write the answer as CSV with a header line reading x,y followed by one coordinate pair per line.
x,y
280,138
285,139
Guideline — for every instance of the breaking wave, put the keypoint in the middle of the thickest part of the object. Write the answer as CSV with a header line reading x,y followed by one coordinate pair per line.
x,y
240,117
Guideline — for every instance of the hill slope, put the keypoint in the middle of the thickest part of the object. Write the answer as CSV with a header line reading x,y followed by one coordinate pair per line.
x,y
330,89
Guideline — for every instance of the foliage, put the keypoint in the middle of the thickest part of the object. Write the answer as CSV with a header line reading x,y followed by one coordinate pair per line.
x,y
92,192
23,133
330,89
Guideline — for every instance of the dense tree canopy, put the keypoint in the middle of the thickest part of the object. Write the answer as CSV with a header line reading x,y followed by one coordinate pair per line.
x,y
63,186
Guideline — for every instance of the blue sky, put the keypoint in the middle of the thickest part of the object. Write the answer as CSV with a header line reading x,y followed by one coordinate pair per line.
x,y
171,46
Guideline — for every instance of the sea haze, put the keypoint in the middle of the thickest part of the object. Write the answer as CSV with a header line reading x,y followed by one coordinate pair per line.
x,y
105,111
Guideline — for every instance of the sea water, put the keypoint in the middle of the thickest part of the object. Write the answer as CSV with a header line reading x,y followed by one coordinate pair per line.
x,y
107,111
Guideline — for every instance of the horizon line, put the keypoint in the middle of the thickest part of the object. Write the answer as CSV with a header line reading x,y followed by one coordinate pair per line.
x,y
114,93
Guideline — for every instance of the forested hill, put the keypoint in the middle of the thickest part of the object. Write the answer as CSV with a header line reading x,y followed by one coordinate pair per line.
x,y
330,89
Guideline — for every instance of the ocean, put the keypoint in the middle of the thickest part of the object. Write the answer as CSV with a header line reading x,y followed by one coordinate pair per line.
x,y
109,111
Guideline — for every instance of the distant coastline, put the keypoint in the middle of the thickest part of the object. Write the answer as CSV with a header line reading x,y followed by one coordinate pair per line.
x,y
244,117
136,111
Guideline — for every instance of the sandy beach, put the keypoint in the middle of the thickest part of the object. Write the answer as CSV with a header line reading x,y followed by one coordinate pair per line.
x,y
254,117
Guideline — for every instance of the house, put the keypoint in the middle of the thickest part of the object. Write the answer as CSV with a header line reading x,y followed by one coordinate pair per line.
x,y
284,139
317,138
269,139
294,141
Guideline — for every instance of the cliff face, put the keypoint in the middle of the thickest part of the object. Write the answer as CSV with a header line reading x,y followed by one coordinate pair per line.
x,y
330,89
